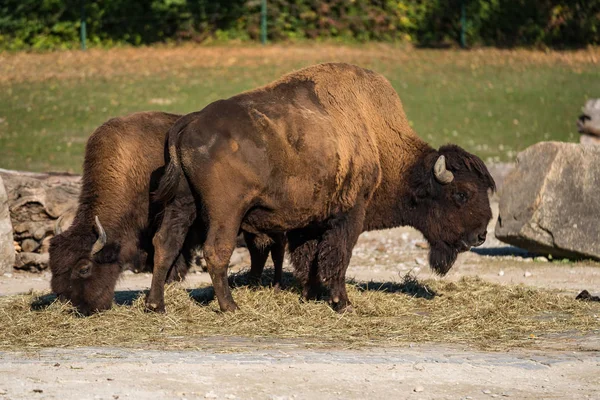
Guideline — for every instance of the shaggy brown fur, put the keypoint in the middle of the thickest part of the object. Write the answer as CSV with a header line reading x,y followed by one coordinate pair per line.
x,y
323,154
124,161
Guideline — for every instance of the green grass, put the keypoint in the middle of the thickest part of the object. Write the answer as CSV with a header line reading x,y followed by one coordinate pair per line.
x,y
492,108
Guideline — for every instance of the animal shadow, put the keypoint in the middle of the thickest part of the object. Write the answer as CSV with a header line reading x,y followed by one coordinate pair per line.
x,y
409,286
502,251
242,279
40,303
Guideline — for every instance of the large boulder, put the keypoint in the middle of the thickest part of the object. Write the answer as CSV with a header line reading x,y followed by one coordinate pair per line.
x,y
550,202
7,248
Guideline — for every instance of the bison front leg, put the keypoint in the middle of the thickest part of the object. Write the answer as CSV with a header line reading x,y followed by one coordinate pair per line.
x,y
334,251
168,242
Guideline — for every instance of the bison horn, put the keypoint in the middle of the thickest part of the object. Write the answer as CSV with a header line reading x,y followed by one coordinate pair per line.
x,y
442,175
101,237
57,229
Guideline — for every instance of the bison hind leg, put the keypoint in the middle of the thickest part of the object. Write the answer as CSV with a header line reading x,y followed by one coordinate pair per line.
x,y
259,247
303,250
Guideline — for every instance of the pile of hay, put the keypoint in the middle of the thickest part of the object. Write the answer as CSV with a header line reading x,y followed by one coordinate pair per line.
x,y
470,311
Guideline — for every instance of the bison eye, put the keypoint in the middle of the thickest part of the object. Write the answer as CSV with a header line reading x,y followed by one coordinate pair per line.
x,y
85,271
460,197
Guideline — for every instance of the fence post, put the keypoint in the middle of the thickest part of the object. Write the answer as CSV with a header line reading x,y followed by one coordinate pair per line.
x,y
83,30
463,24
263,21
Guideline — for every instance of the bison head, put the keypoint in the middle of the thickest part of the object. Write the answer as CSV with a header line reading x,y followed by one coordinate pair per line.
x,y
450,203
84,267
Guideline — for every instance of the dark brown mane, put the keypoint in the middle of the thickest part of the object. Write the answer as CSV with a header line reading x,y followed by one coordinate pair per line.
x,y
457,159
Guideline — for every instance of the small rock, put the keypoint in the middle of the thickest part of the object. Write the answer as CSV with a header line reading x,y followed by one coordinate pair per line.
x,y
501,273
17,246
527,274
7,275
211,395
486,391
229,396
420,261
418,367
3,392
57,365
541,259
494,395
422,245
418,389
128,272
38,391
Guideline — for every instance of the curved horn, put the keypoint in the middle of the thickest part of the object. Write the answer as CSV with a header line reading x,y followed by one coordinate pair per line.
x,y
442,175
101,237
57,229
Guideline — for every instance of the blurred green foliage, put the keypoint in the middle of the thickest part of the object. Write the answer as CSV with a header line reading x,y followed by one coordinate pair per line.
x,y
50,24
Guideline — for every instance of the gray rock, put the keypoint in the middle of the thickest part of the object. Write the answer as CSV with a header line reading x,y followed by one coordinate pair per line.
x,y
550,202
7,248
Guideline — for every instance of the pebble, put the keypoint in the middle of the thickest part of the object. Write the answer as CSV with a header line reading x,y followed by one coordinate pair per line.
x,y
229,396
211,395
541,259
128,272
486,391
501,273
420,261
527,274
418,389
8,275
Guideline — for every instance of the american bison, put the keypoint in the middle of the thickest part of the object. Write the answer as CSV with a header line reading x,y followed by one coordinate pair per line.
x,y
323,154
115,220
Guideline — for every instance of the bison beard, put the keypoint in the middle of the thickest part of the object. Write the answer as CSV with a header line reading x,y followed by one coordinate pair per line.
x,y
442,257
323,154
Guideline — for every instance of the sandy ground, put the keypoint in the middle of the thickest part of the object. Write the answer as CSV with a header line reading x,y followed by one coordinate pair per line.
x,y
292,370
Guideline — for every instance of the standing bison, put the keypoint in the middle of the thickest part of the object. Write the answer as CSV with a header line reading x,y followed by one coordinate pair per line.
x,y
116,219
323,154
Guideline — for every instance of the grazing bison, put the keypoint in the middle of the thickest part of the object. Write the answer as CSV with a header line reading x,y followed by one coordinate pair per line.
x,y
115,220
323,154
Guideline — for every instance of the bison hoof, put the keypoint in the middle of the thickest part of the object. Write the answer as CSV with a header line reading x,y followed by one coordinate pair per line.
x,y
254,281
343,307
155,307
277,287
229,307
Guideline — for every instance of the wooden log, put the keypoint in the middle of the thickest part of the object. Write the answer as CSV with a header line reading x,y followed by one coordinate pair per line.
x,y
35,202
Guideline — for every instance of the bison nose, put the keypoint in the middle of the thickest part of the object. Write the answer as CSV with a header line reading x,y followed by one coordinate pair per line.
x,y
481,238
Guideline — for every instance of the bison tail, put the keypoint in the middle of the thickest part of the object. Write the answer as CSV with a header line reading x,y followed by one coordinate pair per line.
x,y
167,187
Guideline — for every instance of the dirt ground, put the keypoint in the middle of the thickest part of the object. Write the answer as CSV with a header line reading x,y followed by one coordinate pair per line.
x,y
561,367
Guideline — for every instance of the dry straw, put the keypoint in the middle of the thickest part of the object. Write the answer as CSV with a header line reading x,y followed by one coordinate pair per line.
x,y
470,311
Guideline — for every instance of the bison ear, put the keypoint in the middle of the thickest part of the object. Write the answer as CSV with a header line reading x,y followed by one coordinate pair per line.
x,y
109,254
